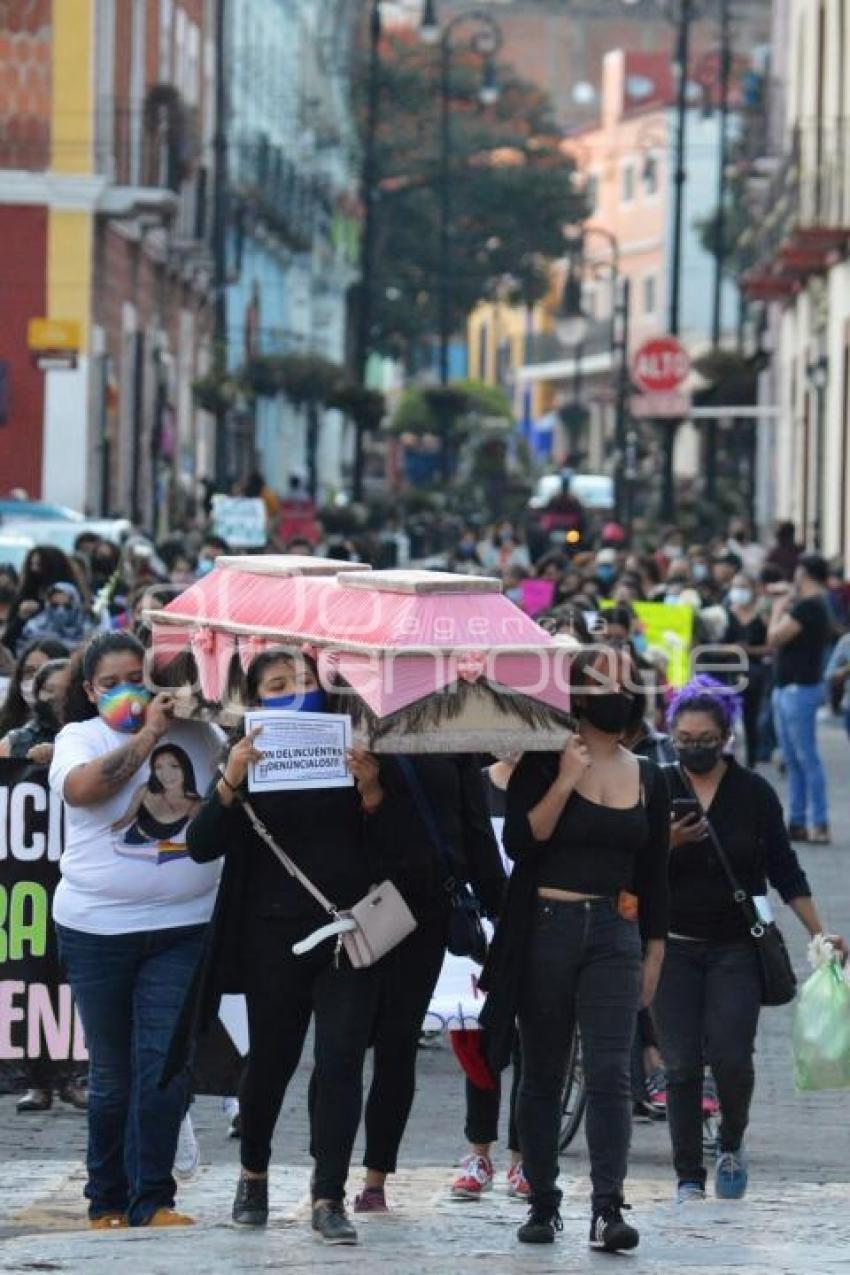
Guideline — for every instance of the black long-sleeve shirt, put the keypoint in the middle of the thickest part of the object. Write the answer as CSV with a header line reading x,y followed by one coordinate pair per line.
x,y
593,849
325,832
747,817
456,791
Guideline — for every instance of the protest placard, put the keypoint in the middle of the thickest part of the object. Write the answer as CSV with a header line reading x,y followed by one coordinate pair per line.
x,y
300,750
240,520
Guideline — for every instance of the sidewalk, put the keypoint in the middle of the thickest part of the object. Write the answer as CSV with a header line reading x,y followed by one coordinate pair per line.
x,y
795,1220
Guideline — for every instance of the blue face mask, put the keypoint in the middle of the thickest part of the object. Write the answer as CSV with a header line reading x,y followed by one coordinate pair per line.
x,y
303,702
606,572
204,567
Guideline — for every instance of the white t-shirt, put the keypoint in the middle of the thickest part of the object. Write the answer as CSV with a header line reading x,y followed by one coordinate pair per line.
x,y
125,867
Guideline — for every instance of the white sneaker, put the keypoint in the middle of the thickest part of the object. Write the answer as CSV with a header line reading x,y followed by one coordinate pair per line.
x,y
187,1159
230,1107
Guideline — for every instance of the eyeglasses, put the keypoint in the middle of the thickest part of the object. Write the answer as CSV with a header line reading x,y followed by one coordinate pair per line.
x,y
700,741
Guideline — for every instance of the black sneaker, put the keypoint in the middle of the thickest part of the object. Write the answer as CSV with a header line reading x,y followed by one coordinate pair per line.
x,y
540,1227
251,1204
643,1109
331,1222
608,1231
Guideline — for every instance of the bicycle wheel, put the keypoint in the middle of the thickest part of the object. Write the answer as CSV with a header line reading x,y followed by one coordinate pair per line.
x,y
575,1095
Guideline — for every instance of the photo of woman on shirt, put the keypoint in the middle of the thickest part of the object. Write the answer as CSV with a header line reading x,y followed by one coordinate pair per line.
x,y
162,809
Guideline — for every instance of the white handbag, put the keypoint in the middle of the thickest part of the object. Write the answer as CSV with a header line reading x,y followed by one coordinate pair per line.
x,y
367,930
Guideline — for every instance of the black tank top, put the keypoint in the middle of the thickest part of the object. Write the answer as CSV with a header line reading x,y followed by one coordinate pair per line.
x,y
594,848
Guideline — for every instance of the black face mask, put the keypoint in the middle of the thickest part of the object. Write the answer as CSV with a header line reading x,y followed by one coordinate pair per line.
x,y
608,713
698,759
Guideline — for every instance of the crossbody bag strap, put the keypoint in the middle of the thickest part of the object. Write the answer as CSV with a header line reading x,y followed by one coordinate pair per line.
x,y
291,867
428,817
740,895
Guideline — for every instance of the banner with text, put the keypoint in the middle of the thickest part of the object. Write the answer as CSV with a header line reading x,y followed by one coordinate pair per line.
x,y
38,1020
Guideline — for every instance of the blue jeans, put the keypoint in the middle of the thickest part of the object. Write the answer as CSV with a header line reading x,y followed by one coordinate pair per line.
x,y
582,966
129,989
795,710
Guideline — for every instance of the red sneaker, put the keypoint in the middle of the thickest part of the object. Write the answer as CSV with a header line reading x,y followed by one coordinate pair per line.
x,y
371,1200
518,1185
710,1101
476,1177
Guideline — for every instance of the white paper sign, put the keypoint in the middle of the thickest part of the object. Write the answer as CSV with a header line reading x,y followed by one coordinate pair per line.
x,y
240,520
301,750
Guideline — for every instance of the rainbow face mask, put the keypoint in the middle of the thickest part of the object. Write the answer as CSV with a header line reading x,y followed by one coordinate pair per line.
x,y
123,707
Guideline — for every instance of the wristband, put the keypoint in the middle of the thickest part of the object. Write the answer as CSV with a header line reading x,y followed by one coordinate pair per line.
x,y
232,787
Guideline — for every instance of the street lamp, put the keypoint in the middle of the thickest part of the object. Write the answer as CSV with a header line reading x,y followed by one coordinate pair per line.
x,y
484,39
369,196
571,326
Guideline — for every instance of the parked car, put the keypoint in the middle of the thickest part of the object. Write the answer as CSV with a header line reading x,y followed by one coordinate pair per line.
x,y
35,510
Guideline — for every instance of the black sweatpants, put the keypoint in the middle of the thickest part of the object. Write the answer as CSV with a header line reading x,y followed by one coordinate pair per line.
x,y
483,1107
282,993
408,976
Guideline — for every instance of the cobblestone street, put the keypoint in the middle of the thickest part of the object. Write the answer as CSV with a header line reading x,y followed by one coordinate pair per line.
x,y
796,1217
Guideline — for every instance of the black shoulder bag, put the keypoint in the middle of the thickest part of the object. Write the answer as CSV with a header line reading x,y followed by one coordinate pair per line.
x,y
778,980
466,933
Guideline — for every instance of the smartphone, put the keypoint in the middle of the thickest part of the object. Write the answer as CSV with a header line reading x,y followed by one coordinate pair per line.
x,y
684,807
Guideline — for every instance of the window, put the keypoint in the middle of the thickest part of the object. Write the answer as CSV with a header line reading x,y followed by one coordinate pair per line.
x,y
628,184
166,22
650,174
650,297
591,192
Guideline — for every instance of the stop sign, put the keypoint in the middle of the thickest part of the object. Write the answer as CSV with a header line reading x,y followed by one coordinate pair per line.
x,y
661,365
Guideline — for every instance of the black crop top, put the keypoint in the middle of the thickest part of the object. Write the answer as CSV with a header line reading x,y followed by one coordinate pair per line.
x,y
595,849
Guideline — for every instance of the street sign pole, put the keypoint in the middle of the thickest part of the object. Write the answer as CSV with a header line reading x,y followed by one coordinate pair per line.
x,y
659,370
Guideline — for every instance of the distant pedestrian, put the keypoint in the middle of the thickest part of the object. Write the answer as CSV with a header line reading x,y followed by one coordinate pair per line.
x,y
801,632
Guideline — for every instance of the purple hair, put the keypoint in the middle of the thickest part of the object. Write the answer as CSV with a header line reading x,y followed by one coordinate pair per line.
x,y
704,694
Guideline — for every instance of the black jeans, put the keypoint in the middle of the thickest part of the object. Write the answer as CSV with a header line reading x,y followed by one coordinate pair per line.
x,y
408,976
582,966
483,1107
645,1038
706,1010
282,993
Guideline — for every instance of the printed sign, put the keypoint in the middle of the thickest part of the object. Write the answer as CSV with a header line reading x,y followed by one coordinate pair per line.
x,y
38,1019
300,750
241,521
537,596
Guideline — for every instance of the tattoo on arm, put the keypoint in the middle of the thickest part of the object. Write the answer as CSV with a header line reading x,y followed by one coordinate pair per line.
x,y
118,767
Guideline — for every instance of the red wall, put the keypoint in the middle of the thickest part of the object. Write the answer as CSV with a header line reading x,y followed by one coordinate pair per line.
x,y
23,296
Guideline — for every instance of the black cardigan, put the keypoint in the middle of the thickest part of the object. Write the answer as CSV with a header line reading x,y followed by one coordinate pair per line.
x,y
502,972
746,815
456,791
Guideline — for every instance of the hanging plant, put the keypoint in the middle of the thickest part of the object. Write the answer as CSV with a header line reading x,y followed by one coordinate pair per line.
x,y
261,376
365,407
308,378
214,393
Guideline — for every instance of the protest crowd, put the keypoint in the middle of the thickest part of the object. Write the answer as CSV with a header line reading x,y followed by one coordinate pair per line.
x,y
626,907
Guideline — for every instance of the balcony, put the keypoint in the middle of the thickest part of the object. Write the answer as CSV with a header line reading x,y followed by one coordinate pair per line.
x,y
266,183
801,213
147,153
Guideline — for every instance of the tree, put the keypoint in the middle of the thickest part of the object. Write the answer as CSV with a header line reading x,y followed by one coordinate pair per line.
x,y
512,192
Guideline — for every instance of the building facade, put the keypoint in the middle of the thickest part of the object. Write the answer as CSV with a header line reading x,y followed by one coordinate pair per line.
x,y
625,164
800,209
109,115
293,241
105,129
